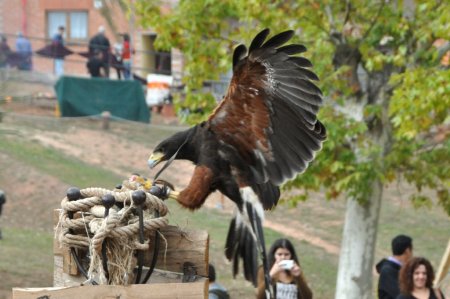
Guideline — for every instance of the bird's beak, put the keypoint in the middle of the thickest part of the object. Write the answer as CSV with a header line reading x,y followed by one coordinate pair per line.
x,y
154,159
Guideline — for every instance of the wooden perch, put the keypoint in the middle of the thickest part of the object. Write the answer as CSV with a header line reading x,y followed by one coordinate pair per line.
x,y
166,281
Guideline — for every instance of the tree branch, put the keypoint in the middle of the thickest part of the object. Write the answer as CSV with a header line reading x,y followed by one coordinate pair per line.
x,y
372,24
348,8
329,14
314,23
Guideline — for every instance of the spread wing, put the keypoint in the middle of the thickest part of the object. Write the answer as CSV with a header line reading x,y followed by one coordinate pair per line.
x,y
269,112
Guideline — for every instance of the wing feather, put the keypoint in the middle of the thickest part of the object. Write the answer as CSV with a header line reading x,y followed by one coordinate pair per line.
x,y
292,49
279,39
259,40
239,54
269,114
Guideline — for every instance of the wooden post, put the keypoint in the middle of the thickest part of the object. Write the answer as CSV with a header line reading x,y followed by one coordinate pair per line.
x,y
194,290
165,282
444,266
106,116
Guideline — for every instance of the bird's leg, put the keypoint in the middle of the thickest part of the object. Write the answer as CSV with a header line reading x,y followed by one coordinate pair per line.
x,y
194,195
174,194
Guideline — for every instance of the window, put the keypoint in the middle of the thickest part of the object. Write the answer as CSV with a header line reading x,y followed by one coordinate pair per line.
x,y
75,22
163,63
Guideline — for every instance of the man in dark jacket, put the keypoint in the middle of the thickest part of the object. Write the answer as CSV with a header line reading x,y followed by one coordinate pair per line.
x,y
389,268
100,42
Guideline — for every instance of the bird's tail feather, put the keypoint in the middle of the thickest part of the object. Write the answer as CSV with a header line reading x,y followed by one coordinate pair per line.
x,y
241,244
246,239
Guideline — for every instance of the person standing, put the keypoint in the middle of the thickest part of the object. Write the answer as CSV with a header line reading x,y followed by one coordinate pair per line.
x,y
23,48
58,43
215,290
116,59
126,57
416,280
2,202
402,252
285,273
5,51
101,43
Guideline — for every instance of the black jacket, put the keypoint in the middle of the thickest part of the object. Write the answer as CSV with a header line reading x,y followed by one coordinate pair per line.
x,y
99,42
388,283
93,66
432,295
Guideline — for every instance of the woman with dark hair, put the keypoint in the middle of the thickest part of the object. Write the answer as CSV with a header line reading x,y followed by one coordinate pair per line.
x,y
285,273
416,280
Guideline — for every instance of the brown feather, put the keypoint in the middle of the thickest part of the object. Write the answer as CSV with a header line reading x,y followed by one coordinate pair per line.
x,y
195,194
245,111
252,117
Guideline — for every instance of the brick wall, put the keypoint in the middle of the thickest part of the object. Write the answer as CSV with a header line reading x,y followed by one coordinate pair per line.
x,y
31,20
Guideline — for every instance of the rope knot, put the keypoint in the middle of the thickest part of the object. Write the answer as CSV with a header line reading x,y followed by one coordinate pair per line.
x,y
82,225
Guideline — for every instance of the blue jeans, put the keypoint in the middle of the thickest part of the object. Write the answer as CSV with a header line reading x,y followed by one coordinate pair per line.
x,y
127,69
59,67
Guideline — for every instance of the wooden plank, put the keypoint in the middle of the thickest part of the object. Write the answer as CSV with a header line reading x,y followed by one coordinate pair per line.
x,y
182,246
193,290
69,264
62,279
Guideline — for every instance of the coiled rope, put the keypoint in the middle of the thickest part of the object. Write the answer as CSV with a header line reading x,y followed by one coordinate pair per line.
x,y
82,225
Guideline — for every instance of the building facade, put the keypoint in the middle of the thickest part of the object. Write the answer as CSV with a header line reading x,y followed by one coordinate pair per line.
x,y
38,20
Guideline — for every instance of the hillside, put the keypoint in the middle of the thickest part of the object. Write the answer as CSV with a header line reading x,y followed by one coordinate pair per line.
x,y
41,156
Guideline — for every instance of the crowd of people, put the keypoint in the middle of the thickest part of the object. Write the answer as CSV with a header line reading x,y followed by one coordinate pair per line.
x,y
101,55
21,58
401,275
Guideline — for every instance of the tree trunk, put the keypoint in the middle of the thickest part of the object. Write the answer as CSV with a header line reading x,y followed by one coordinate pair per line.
x,y
354,279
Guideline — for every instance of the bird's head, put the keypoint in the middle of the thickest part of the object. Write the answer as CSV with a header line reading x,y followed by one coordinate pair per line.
x,y
168,147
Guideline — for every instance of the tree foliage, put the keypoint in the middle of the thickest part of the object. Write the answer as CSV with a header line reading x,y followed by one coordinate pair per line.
x,y
364,51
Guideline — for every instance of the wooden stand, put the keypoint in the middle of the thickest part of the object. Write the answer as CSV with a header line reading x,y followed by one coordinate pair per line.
x,y
165,282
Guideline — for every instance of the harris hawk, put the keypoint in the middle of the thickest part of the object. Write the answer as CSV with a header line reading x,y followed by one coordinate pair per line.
x,y
265,131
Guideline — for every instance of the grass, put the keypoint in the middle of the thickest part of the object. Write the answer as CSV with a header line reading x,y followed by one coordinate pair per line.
x,y
26,255
71,171
17,242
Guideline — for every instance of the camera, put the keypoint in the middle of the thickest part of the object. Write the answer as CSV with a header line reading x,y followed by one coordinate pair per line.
x,y
286,264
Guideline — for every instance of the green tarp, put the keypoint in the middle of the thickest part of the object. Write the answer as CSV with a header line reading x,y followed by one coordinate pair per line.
x,y
91,96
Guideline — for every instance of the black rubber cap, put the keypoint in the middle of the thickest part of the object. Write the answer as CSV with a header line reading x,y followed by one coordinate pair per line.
x,y
73,193
108,200
138,197
156,191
